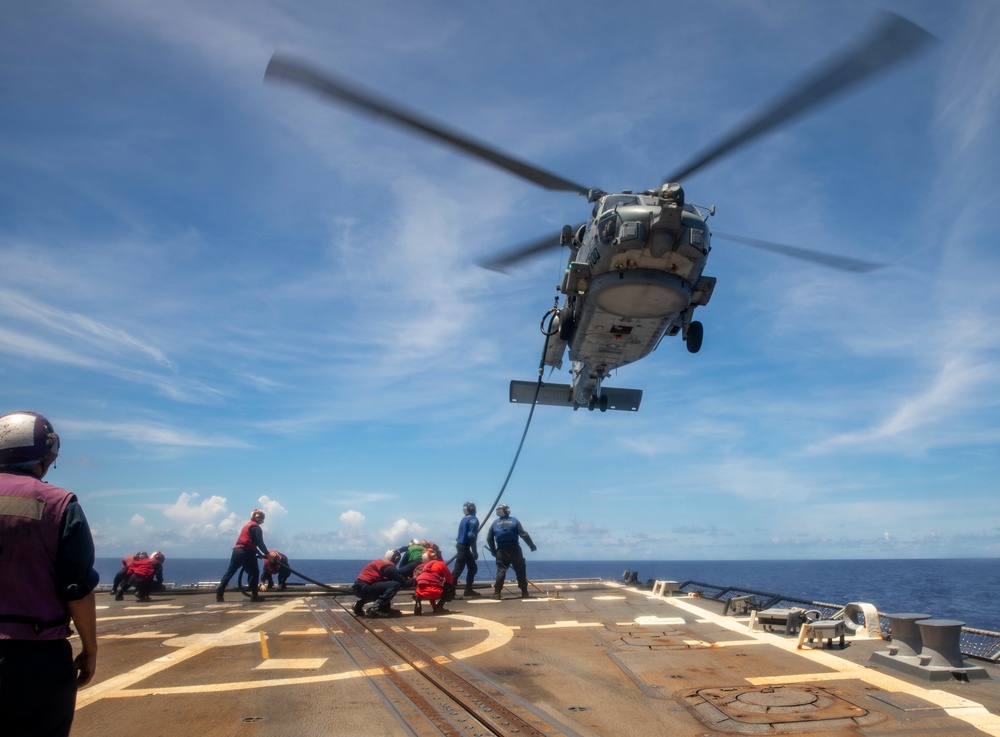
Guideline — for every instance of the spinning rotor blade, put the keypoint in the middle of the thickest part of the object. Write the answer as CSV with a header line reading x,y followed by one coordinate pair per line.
x,y
817,257
501,263
893,41
282,69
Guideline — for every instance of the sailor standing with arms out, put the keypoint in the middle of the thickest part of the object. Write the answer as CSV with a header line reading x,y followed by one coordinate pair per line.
x,y
465,544
244,556
47,577
502,542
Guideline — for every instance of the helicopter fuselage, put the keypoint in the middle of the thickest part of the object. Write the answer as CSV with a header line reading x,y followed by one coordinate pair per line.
x,y
634,275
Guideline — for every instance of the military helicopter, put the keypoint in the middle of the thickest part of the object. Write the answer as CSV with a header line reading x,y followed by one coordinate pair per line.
x,y
635,268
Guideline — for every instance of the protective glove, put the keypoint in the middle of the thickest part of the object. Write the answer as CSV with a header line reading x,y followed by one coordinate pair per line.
x,y
492,552
534,548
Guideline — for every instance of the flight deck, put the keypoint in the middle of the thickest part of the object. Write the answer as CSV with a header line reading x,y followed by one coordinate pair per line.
x,y
580,657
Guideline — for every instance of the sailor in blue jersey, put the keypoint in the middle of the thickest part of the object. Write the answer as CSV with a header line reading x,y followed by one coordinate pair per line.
x,y
502,542
47,578
465,544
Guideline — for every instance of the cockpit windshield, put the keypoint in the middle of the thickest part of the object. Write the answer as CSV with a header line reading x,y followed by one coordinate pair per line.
x,y
618,200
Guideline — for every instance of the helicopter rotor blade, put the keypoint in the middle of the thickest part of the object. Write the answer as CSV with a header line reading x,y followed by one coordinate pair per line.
x,y
817,257
891,42
284,69
503,262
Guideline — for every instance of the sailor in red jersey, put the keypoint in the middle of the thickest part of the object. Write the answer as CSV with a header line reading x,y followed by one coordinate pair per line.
x,y
434,582
248,546
275,562
123,573
144,575
47,577
379,581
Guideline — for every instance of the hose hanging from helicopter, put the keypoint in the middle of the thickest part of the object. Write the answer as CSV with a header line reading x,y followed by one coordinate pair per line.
x,y
551,314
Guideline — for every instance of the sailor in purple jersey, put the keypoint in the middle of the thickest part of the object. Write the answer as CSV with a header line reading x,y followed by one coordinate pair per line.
x,y
47,576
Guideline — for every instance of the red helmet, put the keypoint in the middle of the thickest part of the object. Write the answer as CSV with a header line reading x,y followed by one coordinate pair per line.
x,y
257,515
26,438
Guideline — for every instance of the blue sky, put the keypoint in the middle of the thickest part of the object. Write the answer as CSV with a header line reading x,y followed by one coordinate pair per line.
x,y
227,294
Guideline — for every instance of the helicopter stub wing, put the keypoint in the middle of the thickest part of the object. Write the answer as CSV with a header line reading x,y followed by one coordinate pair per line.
x,y
561,395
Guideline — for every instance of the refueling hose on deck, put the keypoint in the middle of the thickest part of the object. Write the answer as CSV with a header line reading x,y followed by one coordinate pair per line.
x,y
245,590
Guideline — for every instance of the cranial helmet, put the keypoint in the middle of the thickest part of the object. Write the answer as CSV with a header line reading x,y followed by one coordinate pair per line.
x,y
469,508
503,511
26,438
257,515
158,556
392,556
141,555
429,555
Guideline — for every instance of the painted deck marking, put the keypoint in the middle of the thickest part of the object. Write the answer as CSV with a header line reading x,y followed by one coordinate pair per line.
x,y
497,635
292,664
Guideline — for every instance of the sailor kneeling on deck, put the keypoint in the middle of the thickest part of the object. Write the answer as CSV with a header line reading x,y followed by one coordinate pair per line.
x,y
435,583
379,581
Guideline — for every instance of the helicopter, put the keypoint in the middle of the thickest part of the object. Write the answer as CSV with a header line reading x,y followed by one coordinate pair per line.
x,y
635,268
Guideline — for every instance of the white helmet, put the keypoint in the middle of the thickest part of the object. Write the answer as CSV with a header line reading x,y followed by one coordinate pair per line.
x,y
26,438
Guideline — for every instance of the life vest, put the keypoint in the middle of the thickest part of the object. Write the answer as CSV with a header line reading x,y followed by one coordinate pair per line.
x,y
273,566
245,541
505,531
31,513
468,528
432,577
145,568
372,573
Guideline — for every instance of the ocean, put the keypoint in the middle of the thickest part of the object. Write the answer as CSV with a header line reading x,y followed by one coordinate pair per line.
x,y
964,589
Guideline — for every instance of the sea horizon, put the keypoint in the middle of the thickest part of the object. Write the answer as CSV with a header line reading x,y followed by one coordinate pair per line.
x,y
953,588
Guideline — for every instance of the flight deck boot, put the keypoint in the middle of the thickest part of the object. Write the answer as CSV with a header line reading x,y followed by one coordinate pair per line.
x,y
470,593
525,594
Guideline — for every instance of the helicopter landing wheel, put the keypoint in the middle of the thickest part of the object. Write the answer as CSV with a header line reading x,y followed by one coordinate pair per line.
x,y
696,333
602,403
592,402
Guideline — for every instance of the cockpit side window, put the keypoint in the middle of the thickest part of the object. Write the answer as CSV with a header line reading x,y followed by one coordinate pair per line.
x,y
607,226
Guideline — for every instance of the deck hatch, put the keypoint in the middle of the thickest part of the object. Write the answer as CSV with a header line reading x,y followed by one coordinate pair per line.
x,y
780,709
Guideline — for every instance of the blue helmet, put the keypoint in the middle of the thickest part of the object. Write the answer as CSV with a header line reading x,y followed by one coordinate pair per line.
x,y
503,511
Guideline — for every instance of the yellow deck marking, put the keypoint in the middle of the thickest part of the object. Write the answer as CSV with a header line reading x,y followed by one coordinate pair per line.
x,y
647,620
292,664
139,636
609,598
263,645
132,616
968,711
568,623
497,635
189,647
310,631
